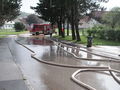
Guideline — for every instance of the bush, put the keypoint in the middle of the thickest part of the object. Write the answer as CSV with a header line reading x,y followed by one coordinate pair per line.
x,y
110,35
104,33
19,26
94,30
117,34
89,32
101,34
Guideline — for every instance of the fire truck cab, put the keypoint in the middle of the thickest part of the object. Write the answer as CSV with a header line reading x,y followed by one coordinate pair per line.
x,y
41,29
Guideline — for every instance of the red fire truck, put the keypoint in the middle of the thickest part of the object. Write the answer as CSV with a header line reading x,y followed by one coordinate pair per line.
x,y
41,29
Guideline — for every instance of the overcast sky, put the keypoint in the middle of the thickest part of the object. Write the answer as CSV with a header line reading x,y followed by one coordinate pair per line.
x,y
27,3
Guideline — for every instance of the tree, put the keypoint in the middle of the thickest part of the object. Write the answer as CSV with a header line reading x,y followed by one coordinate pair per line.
x,y
19,26
112,18
33,19
9,10
52,11
58,11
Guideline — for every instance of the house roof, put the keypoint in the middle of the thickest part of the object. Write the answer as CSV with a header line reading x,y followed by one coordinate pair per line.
x,y
85,19
95,14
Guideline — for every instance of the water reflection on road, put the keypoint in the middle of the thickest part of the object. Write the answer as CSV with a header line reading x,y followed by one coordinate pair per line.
x,y
46,77
46,50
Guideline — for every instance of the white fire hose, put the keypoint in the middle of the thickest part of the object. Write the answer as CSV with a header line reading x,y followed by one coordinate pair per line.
x,y
83,68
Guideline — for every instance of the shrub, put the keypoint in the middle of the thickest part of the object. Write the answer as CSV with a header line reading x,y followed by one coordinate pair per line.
x,y
89,32
105,33
101,34
110,34
19,26
117,34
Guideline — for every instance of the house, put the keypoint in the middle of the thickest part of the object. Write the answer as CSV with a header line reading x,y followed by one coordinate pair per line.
x,y
8,25
87,22
91,21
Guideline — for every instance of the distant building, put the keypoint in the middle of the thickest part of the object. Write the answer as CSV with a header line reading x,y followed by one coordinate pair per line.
x,y
91,21
87,22
8,25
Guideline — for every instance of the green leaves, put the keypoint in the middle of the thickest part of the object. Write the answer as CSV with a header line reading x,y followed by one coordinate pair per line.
x,y
19,26
9,9
112,18
58,11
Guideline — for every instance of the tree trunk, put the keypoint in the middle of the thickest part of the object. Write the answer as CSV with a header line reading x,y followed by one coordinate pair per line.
x,y
72,24
67,28
63,30
77,32
59,28
73,31
76,16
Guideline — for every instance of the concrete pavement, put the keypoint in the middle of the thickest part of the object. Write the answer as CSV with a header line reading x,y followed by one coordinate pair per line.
x,y
110,51
10,75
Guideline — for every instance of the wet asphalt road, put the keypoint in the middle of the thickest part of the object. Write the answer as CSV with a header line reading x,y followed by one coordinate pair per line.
x,y
46,77
10,75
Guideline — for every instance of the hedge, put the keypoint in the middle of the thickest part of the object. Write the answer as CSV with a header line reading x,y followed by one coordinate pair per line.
x,y
103,33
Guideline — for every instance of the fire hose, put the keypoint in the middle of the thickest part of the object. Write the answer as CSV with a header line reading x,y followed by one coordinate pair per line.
x,y
83,68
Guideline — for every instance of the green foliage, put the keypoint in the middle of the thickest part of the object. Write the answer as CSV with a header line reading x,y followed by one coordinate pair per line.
x,y
105,33
96,41
9,10
19,26
101,34
112,18
109,34
117,35
95,30
58,11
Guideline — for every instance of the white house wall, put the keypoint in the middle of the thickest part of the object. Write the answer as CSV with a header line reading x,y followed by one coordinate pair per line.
x,y
8,25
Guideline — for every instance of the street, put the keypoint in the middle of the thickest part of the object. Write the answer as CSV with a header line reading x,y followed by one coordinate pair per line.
x,y
49,77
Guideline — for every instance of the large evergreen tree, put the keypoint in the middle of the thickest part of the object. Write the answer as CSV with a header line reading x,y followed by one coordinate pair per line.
x,y
58,11
9,10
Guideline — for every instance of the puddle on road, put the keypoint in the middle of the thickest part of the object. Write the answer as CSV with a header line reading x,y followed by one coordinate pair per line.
x,y
46,50
99,80
58,55
35,41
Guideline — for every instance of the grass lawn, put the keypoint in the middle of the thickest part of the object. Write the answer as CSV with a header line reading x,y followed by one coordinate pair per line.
x,y
105,42
12,33
95,41
4,32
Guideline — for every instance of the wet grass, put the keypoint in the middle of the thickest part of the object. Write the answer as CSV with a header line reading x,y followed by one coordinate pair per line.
x,y
96,41
105,42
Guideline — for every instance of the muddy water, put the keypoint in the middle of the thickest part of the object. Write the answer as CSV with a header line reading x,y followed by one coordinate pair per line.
x,y
46,77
